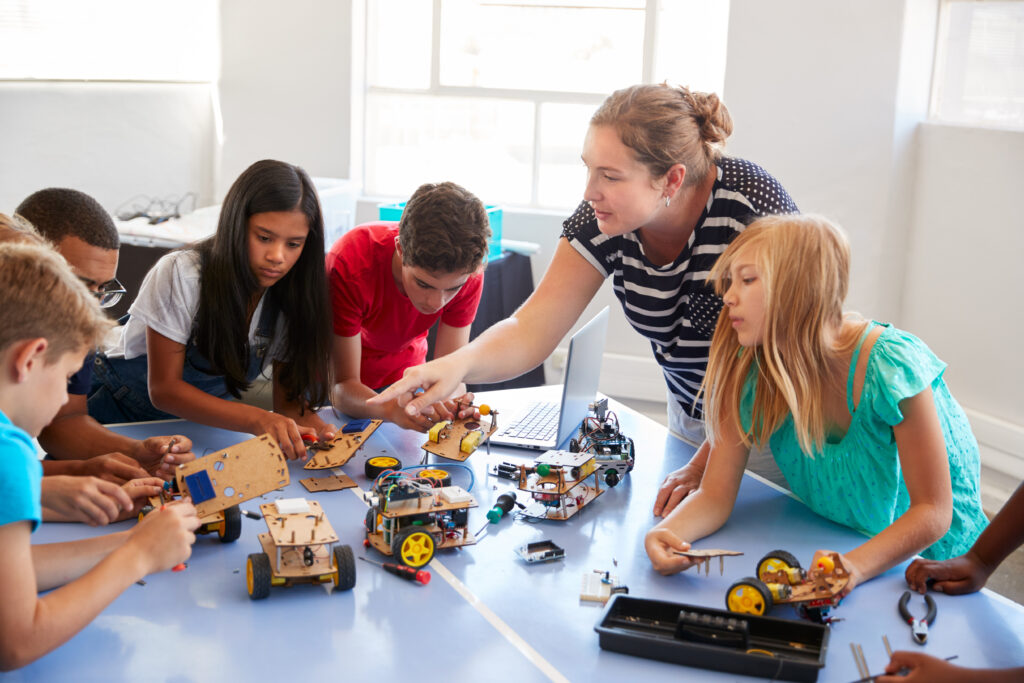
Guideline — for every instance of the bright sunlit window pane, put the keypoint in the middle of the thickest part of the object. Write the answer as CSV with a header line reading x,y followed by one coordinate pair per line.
x,y
541,46
690,49
980,70
109,39
398,43
484,145
562,175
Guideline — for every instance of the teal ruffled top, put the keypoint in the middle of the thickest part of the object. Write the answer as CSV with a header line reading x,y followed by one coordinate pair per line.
x,y
856,480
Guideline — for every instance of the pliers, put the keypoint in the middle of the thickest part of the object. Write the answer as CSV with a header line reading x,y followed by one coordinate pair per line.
x,y
919,627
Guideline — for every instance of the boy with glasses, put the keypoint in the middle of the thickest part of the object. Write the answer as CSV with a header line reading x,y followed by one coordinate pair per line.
x,y
84,234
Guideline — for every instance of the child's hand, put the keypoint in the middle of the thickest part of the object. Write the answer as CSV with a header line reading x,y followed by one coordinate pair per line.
x,y
660,544
457,407
964,574
160,455
116,468
396,414
164,537
140,491
922,667
89,500
677,486
856,577
286,432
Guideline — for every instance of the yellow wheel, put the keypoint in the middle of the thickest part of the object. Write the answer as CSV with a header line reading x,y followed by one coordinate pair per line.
x,y
826,564
748,596
485,409
441,476
413,547
381,463
776,561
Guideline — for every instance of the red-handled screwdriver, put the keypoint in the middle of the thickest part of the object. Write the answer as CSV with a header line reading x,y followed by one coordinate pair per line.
x,y
408,573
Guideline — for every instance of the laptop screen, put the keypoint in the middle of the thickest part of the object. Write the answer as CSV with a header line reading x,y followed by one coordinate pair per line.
x,y
582,372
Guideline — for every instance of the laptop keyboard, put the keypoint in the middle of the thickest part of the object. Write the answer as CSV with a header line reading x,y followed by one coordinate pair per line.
x,y
540,423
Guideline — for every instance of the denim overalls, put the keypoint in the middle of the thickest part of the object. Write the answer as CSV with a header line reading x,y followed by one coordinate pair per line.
x,y
120,387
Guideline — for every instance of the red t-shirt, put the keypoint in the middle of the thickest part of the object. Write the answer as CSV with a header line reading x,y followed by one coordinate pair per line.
x,y
366,301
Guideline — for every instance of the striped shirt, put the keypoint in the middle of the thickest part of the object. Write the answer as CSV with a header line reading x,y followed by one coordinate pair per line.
x,y
672,305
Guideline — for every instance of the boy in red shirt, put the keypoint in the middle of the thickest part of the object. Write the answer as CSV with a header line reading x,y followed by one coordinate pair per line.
x,y
389,282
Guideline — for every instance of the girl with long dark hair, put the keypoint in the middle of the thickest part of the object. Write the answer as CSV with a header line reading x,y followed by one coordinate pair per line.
x,y
211,317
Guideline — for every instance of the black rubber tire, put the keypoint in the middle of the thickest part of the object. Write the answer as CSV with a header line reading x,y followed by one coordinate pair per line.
x,y
345,562
779,555
757,585
258,565
611,477
632,456
371,520
372,470
232,525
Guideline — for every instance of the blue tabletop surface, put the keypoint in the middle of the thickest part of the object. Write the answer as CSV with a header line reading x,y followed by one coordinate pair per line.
x,y
486,615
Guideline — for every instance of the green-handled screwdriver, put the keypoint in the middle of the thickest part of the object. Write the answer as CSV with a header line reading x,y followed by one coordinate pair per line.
x,y
408,573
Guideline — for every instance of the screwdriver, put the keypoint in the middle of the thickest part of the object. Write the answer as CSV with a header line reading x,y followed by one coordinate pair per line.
x,y
502,507
408,573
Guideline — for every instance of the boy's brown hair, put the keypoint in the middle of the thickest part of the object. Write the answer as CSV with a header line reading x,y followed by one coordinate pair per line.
x,y
43,298
444,228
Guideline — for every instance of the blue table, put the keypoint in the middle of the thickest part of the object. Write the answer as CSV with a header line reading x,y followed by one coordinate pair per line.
x,y
486,615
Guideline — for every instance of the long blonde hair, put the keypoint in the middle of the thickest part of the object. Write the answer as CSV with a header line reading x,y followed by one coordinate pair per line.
x,y
804,265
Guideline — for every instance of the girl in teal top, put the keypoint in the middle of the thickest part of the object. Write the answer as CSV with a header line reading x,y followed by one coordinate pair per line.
x,y
857,414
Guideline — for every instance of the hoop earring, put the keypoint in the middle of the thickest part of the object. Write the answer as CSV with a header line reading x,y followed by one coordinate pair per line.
x,y
668,200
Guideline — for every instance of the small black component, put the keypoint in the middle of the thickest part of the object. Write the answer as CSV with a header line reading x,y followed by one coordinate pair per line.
x,y
713,629
307,556
460,517
506,470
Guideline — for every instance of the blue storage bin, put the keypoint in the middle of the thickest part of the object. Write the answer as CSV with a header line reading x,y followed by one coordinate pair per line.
x,y
393,212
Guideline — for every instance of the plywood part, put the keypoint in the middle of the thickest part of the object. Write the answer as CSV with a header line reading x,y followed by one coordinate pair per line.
x,y
702,554
289,561
563,458
538,510
335,482
340,449
298,529
560,481
450,439
429,503
238,473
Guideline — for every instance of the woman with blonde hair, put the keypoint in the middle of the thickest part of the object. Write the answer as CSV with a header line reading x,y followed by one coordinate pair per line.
x,y
857,413
662,201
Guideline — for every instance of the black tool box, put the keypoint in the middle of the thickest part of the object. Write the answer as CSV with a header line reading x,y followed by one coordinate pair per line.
x,y
713,639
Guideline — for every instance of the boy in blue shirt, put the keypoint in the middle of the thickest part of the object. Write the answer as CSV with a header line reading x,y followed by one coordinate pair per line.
x,y
47,324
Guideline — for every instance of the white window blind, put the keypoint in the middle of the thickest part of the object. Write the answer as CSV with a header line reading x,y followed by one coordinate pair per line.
x,y
979,75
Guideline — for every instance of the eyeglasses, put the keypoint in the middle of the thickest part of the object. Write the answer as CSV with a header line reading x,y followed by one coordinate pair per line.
x,y
108,294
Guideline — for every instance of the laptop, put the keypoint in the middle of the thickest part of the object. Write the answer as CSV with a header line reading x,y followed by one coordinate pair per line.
x,y
543,425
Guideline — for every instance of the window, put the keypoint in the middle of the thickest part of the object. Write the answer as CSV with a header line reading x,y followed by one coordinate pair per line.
x,y
979,66
109,40
497,95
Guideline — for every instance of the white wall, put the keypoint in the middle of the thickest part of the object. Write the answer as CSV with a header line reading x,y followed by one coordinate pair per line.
x,y
285,85
963,293
110,140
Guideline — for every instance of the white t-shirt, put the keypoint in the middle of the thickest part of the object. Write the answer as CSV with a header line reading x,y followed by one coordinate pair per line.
x,y
168,302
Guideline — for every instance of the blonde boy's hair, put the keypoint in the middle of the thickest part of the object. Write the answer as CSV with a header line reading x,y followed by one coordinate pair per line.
x,y
43,298
17,229
804,265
